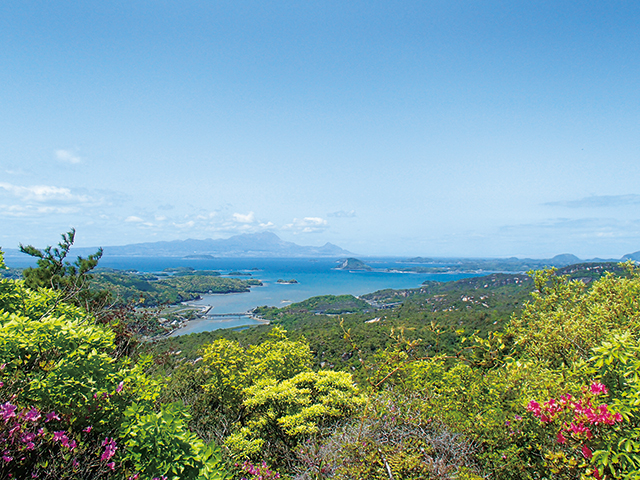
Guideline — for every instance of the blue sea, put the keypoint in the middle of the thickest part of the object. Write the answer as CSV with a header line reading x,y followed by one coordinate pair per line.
x,y
315,276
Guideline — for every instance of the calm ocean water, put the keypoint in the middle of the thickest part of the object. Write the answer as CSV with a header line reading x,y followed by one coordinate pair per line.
x,y
314,276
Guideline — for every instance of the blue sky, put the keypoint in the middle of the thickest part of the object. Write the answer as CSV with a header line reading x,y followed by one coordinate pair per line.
x,y
434,128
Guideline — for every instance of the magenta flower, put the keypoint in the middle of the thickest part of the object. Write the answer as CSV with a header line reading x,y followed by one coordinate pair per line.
x,y
110,448
32,415
59,436
7,410
51,416
88,429
598,388
120,387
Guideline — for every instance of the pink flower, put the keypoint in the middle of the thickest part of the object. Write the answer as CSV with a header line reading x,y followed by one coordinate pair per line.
x,y
111,465
88,429
586,452
598,388
59,435
534,407
560,438
120,387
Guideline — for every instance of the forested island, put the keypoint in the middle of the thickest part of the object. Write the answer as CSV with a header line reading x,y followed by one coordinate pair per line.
x,y
504,376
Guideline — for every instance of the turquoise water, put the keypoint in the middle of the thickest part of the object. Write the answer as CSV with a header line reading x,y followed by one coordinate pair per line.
x,y
315,277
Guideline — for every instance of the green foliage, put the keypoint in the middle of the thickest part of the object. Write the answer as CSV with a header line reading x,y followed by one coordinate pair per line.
x,y
56,360
281,414
55,272
215,388
565,320
160,444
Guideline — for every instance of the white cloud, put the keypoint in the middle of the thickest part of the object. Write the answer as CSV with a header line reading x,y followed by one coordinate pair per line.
x,y
307,225
248,218
44,194
68,156
133,219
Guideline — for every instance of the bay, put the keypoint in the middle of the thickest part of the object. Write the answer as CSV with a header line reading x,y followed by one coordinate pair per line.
x,y
315,276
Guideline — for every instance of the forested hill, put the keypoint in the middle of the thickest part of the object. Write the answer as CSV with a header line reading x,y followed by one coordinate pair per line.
x,y
441,314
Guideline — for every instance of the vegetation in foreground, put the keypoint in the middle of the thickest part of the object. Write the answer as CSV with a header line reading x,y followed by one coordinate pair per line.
x,y
444,384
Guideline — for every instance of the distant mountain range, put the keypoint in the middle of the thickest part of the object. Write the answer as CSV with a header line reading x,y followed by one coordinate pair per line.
x,y
265,244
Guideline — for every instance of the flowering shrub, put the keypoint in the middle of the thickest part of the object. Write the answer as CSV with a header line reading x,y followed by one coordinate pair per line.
x,y
64,398
258,472
580,427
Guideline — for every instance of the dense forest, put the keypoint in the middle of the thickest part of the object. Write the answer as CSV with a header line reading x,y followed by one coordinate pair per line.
x,y
507,376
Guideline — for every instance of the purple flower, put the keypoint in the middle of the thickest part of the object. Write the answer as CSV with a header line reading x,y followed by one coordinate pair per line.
x,y
7,410
59,435
88,429
51,416
110,448
120,387
32,415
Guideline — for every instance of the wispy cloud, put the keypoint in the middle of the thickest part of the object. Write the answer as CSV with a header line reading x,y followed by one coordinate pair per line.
x,y
34,210
342,214
67,156
307,225
44,194
598,201
15,171
133,219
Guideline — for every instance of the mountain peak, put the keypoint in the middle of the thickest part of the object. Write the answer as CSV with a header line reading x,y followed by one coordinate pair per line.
x,y
261,244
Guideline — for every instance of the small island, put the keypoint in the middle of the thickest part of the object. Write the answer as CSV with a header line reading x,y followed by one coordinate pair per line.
x,y
287,282
354,264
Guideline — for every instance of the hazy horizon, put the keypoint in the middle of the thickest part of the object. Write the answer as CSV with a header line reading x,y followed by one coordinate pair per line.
x,y
444,129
